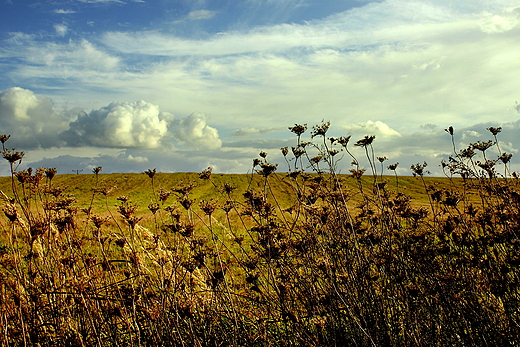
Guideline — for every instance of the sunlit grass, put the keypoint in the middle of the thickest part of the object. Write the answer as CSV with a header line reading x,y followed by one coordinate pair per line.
x,y
305,257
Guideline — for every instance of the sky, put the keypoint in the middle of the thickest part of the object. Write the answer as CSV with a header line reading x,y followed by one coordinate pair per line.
x,y
182,85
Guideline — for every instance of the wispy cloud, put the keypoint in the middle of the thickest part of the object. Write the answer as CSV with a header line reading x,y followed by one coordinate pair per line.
x,y
397,69
201,14
61,29
63,11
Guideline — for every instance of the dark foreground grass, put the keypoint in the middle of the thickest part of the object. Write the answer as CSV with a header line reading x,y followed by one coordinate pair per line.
x,y
312,261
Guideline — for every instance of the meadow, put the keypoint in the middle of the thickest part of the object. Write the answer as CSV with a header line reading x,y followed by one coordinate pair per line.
x,y
305,257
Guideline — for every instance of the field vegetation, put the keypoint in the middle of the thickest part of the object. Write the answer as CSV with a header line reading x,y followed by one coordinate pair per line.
x,y
305,257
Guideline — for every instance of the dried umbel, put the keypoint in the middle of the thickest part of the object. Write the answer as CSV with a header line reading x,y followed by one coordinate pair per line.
x,y
12,156
505,158
50,173
154,207
418,169
208,206
298,129
10,212
392,167
4,138
98,221
151,173
320,130
206,174
494,131
357,173
267,169
366,141
482,146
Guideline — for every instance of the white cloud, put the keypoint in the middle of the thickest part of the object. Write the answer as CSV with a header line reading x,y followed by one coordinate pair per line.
x,y
126,125
201,14
471,134
377,128
61,29
136,159
63,11
250,131
30,119
194,132
494,23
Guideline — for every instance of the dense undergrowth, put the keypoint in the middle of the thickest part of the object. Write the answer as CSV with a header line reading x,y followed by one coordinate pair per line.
x,y
242,268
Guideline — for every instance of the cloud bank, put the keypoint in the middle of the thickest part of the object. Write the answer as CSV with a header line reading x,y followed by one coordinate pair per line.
x,y
36,123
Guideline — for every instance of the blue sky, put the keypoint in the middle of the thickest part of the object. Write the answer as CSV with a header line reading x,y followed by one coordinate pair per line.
x,y
183,85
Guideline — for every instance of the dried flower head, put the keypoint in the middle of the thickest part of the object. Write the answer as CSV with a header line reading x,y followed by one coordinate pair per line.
x,y
297,152
467,152
482,146
357,173
228,188
12,156
97,170
154,207
449,130
505,158
494,131
298,129
163,195
4,138
50,172
267,169
320,129
343,140
392,167
366,141
206,174
285,151
151,173
208,206
418,169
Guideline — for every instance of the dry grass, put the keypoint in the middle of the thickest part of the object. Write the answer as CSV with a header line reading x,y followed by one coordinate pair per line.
x,y
303,258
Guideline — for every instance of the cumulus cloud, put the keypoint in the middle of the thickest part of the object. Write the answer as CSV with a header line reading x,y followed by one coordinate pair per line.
x,y
34,122
377,128
194,132
130,125
30,119
495,23
137,159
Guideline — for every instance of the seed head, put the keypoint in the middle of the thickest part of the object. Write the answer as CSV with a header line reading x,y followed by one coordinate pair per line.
x,y
482,146
206,174
418,169
12,156
320,129
494,131
366,141
505,158
393,167
151,173
298,129
4,138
